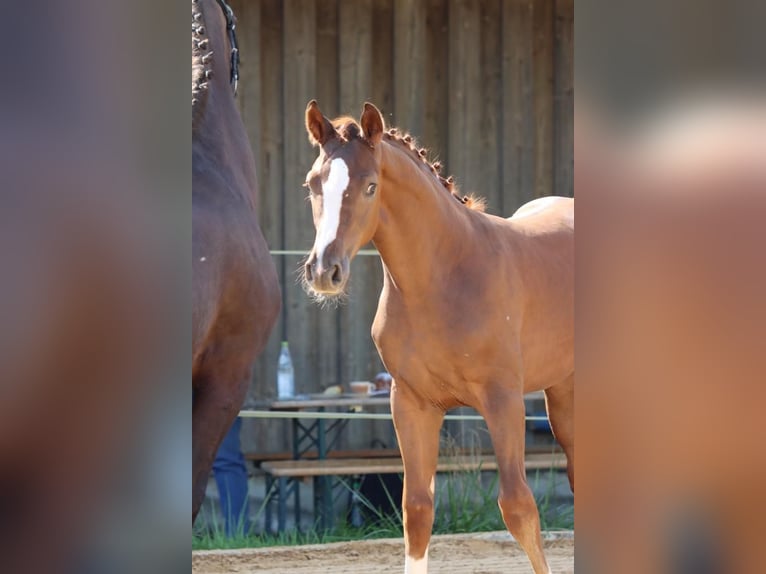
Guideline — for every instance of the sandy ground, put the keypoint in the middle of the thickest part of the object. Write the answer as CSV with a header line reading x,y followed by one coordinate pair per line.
x,y
488,553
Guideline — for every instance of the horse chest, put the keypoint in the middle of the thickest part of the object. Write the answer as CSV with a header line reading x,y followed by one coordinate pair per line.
x,y
433,354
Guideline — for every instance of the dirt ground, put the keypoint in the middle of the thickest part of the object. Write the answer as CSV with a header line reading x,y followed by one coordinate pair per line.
x,y
487,553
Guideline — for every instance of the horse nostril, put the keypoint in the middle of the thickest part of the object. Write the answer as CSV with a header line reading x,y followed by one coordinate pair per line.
x,y
307,271
336,277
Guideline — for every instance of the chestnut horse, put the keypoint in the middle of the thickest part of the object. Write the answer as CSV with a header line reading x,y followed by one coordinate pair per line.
x,y
475,310
235,290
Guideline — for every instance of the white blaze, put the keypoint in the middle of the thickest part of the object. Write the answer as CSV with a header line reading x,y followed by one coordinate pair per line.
x,y
332,193
415,565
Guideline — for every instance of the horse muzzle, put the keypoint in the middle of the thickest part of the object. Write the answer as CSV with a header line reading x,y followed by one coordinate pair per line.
x,y
327,277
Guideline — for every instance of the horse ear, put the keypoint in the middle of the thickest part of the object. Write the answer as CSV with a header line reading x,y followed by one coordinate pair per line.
x,y
319,128
372,123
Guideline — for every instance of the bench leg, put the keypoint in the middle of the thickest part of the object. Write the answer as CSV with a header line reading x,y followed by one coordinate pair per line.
x,y
355,514
267,501
297,503
281,504
327,505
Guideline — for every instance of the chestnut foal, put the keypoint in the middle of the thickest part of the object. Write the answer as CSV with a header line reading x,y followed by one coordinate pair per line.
x,y
475,310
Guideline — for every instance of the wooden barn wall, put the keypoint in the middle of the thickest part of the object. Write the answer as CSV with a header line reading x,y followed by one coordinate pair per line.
x,y
486,85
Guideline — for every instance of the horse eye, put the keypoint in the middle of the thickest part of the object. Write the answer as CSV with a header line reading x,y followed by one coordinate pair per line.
x,y
371,188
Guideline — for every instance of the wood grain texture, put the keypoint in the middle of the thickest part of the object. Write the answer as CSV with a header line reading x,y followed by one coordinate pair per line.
x,y
543,96
298,87
563,121
486,85
327,61
409,64
518,110
465,106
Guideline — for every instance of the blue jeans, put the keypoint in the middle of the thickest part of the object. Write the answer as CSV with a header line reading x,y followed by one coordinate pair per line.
x,y
231,478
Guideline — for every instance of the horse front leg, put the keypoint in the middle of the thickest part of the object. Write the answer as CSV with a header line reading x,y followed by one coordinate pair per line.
x,y
503,410
417,424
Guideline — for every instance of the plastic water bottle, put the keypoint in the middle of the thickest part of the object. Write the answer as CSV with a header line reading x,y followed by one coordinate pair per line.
x,y
285,377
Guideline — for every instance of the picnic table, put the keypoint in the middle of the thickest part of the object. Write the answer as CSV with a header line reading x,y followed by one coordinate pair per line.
x,y
317,426
313,438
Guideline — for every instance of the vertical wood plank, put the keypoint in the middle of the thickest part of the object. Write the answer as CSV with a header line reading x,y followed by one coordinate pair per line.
x,y
382,57
487,172
248,16
355,35
436,114
543,90
463,155
298,87
327,58
270,158
263,435
409,60
564,99
518,170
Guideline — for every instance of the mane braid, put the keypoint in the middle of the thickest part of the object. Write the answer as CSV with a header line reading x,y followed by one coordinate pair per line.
x,y
408,142
202,57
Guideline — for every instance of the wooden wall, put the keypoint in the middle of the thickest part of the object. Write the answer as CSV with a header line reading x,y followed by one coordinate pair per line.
x,y
486,85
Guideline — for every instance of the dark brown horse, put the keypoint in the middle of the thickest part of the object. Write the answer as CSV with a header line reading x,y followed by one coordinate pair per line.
x,y
475,310
235,289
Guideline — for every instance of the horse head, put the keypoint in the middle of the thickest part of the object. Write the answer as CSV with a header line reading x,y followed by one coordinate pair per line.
x,y
343,185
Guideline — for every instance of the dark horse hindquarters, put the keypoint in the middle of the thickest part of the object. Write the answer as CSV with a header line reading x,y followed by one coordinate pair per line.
x,y
235,291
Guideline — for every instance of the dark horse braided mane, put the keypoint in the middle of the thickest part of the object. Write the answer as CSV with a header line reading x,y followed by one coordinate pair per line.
x,y
347,128
201,56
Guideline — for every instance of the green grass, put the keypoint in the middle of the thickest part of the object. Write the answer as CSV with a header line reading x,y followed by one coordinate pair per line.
x,y
211,536
464,503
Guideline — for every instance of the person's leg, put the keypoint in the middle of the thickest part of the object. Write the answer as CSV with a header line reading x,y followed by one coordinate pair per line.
x,y
231,478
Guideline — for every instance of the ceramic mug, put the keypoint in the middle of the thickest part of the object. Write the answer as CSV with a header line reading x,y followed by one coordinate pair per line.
x,y
361,387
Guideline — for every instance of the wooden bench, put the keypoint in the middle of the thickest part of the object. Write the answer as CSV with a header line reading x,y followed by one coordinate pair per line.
x,y
280,471
386,465
258,458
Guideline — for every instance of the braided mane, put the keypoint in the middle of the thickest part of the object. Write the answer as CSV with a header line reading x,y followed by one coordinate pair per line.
x,y
201,56
347,128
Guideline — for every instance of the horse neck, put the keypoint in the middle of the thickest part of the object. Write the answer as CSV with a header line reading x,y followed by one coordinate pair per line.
x,y
217,128
420,222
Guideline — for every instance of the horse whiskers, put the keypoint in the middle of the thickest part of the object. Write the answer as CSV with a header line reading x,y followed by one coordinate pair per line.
x,y
322,299
328,301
